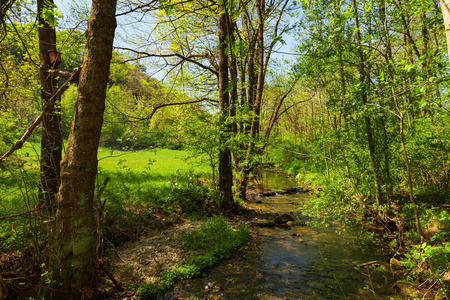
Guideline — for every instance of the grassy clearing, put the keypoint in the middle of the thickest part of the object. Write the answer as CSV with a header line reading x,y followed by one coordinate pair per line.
x,y
19,178
152,188
145,187
162,163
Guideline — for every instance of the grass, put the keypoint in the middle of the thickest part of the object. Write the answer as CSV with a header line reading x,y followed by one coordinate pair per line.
x,y
161,163
215,239
144,185
146,189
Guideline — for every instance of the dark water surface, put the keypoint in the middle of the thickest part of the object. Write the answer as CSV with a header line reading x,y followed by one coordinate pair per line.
x,y
296,262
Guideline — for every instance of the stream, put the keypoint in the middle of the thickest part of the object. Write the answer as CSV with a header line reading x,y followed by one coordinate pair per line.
x,y
292,262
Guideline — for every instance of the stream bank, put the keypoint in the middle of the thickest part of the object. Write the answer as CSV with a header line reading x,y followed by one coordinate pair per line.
x,y
285,261
292,261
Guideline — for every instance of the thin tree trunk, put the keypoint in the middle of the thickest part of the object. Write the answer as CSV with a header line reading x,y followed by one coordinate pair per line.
x,y
445,6
256,108
225,163
368,125
388,181
388,56
74,237
401,117
410,185
51,141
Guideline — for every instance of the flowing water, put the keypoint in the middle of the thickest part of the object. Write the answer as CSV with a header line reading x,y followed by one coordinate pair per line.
x,y
295,262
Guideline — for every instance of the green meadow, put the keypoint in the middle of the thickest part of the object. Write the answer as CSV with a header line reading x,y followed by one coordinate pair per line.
x,y
161,181
162,162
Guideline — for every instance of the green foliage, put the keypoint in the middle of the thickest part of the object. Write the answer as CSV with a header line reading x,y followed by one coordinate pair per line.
x,y
8,128
67,106
433,261
443,221
51,14
200,136
19,230
334,200
216,238
71,45
216,230
191,195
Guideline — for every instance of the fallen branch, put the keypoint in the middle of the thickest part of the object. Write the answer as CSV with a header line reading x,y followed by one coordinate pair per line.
x,y
117,284
20,214
48,106
370,263
3,289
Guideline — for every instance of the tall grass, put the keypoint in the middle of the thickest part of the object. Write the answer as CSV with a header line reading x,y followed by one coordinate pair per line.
x,y
142,184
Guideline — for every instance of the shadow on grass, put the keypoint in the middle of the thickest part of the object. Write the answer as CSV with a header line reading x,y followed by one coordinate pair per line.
x,y
137,201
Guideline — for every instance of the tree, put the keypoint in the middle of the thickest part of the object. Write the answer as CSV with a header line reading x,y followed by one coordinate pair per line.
x,y
254,66
225,167
51,141
445,6
363,95
232,70
73,241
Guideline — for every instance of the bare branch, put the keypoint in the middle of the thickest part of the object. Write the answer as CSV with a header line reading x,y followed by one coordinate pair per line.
x,y
149,6
189,58
60,73
274,117
48,106
155,108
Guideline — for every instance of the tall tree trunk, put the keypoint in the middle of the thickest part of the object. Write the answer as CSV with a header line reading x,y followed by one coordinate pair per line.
x,y
368,123
51,141
410,185
256,107
401,117
233,74
322,125
225,163
388,57
387,168
426,63
445,6
73,243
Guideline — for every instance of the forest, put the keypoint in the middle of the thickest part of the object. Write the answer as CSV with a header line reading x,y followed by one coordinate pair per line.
x,y
132,124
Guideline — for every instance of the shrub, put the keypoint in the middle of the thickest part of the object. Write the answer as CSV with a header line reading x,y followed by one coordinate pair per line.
x,y
217,238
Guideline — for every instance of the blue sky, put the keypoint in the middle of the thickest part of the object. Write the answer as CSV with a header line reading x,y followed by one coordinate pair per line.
x,y
75,10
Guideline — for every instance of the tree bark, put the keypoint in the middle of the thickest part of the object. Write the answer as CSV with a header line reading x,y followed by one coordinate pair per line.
x,y
73,243
367,120
388,57
256,107
445,6
410,184
225,165
51,140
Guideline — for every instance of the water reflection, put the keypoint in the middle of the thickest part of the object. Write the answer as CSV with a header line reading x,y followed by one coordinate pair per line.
x,y
292,263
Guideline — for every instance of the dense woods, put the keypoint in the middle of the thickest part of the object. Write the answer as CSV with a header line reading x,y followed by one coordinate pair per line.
x,y
350,97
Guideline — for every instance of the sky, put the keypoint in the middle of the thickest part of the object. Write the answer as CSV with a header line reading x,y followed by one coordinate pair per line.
x,y
76,10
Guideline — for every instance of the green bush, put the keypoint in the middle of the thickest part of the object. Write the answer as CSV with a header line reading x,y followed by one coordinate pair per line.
x,y
433,261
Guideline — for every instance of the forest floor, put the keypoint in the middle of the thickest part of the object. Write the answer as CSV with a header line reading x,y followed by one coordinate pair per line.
x,y
139,262
144,258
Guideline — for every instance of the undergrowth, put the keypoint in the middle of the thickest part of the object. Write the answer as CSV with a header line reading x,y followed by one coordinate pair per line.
x,y
217,240
426,264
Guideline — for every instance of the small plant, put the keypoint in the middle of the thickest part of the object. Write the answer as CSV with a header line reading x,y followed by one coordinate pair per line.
x,y
216,238
444,226
434,259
